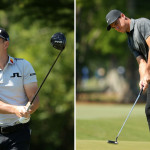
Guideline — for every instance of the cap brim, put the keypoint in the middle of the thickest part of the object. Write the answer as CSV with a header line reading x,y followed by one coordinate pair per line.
x,y
108,28
4,38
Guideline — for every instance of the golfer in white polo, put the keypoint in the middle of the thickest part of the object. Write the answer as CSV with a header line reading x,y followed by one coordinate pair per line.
x,y
18,84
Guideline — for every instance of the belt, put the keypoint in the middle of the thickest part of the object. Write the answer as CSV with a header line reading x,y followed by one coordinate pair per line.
x,y
10,129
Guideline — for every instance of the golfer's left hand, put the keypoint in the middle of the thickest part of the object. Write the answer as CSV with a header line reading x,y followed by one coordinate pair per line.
x,y
144,84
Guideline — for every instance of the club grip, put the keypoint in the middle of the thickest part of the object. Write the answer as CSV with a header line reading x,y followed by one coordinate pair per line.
x,y
24,120
141,90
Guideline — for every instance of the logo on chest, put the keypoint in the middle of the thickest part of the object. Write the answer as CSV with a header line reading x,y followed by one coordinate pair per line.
x,y
15,75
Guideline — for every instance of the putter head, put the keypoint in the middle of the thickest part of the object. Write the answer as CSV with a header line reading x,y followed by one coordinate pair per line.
x,y
112,142
58,41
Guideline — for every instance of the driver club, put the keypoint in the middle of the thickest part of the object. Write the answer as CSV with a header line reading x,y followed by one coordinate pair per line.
x,y
58,41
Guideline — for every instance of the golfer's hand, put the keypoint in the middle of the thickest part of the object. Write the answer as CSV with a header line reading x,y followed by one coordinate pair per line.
x,y
143,84
21,111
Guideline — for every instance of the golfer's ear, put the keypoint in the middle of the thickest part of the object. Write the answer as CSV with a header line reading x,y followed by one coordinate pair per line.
x,y
6,44
122,15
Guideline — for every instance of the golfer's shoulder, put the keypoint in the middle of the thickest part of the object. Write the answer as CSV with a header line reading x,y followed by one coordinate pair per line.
x,y
142,21
21,61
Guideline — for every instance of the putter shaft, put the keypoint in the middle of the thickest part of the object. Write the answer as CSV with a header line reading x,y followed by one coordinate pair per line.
x,y
130,112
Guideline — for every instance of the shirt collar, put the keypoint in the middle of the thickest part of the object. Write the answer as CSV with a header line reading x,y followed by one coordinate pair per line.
x,y
132,24
11,60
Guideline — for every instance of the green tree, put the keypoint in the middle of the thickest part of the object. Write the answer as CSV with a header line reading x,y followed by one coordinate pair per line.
x,y
47,12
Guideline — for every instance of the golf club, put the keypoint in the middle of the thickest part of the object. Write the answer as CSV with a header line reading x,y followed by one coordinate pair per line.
x,y
58,41
115,142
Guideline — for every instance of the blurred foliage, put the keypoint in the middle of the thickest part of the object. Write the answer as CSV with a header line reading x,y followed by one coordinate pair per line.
x,y
30,25
97,47
46,12
94,43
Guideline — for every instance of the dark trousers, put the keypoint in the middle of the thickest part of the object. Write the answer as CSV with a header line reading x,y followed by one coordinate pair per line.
x,y
17,140
147,107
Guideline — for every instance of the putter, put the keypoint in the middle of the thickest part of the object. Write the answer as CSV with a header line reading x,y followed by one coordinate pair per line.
x,y
58,41
115,142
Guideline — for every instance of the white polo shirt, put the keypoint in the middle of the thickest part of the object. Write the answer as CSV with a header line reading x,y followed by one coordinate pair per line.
x,y
16,73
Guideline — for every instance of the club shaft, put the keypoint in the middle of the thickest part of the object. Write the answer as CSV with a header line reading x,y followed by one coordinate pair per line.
x,y
130,112
43,82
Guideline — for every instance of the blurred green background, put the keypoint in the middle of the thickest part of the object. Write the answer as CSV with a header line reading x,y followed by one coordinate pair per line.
x,y
30,25
105,65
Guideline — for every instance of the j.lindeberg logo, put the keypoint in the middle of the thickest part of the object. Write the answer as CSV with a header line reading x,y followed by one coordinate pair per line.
x,y
15,75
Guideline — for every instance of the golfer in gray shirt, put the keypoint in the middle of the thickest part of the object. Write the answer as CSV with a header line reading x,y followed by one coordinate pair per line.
x,y
138,32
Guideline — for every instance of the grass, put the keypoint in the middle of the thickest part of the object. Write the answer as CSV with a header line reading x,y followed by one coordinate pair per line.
x,y
96,123
103,145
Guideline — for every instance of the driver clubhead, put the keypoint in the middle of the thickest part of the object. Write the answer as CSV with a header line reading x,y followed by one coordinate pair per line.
x,y
58,41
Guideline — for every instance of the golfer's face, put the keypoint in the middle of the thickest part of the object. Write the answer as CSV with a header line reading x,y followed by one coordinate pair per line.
x,y
3,44
1,41
118,25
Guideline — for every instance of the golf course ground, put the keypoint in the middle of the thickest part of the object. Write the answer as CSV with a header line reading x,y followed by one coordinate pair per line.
x,y
103,145
98,123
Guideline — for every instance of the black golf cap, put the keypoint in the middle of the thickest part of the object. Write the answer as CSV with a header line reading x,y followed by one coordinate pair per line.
x,y
111,17
4,34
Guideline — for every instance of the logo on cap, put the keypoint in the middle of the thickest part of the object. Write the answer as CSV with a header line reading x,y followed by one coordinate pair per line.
x,y
107,20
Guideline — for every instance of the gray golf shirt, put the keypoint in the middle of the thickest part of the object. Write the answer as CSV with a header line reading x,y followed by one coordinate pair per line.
x,y
139,32
13,77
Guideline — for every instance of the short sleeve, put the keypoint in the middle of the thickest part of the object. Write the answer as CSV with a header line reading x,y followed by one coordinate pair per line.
x,y
144,27
29,73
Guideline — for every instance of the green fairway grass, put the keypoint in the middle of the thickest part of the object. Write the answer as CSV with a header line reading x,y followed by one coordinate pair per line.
x,y
103,145
98,123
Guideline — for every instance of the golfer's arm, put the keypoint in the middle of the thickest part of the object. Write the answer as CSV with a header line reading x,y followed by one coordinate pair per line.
x,y
30,90
7,108
142,66
148,62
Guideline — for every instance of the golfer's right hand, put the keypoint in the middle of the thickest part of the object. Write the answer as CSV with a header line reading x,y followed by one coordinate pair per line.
x,y
21,111
143,84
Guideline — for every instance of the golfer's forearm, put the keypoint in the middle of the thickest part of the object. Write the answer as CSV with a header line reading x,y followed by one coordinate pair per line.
x,y
142,69
31,90
142,66
6,108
